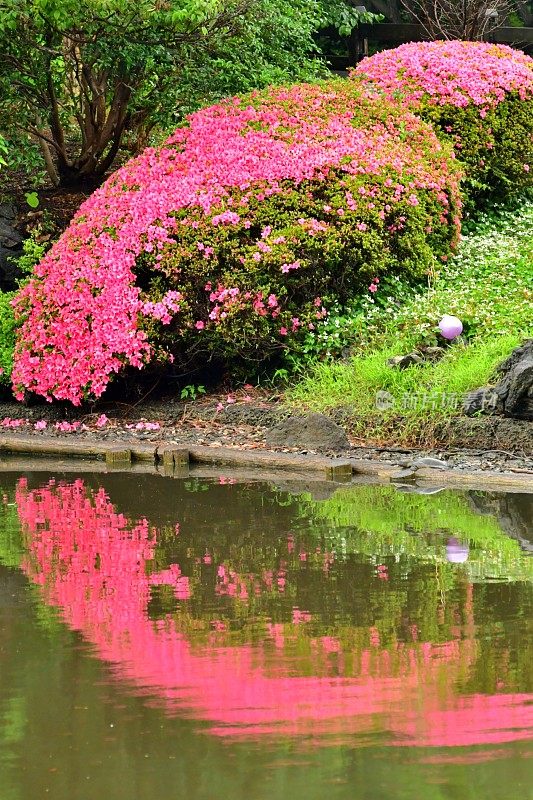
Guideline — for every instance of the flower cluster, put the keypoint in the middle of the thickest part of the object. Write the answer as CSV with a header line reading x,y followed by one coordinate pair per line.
x,y
64,426
478,95
451,73
144,426
8,422
216,244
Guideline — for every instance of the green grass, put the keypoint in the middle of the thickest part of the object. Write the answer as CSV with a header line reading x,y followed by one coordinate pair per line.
x,y
488,284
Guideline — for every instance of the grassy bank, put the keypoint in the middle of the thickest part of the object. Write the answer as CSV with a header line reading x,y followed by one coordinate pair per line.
x,y
488,285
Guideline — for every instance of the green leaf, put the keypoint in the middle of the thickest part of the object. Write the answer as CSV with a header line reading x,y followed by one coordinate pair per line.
x,y
32,199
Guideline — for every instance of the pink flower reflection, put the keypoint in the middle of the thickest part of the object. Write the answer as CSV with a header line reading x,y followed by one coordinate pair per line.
x,y
92,563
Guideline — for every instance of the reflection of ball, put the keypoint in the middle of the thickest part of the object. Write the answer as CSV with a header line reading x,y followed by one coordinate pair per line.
x,y
450,327
456,553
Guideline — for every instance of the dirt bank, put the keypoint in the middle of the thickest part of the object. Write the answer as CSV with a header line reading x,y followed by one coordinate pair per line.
x,y
242,421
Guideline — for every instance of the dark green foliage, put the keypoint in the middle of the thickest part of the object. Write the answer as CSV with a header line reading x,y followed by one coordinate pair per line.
x,y
7,337
33,251
496,150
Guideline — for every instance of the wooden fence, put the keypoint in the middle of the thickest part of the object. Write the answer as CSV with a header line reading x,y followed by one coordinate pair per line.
x,y
391,34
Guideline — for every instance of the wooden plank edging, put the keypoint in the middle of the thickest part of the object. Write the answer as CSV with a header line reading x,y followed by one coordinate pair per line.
x,y
340,469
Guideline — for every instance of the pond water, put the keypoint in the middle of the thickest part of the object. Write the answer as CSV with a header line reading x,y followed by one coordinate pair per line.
x,y
207,639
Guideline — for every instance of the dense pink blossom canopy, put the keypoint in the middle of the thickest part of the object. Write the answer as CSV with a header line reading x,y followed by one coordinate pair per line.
x,y
451,73
82,314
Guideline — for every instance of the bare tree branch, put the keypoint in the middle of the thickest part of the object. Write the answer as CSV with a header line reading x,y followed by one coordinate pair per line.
x,y
471,20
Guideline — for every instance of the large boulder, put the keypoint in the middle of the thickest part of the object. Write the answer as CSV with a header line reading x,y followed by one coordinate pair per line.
x,y
312,432
516,387
10,247
513,395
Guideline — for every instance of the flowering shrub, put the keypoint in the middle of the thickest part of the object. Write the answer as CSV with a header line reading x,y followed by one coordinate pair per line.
x,y
230,241
478,95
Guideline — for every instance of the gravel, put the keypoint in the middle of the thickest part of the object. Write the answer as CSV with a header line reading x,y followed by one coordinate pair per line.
x,y
244,424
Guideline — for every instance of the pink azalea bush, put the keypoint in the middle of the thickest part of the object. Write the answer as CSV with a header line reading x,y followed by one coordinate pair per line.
x,y
478,96
228,243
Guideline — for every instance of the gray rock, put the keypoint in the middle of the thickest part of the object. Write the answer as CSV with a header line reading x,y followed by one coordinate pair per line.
x,y
9,272
524,351
432,353
402,362
10,247
514,513
429,461
516,387
313,431
9,237
517,390
513,395
485,400
8,211
416,357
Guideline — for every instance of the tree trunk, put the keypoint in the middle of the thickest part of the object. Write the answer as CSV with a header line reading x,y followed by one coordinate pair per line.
x,y
102,136
47,155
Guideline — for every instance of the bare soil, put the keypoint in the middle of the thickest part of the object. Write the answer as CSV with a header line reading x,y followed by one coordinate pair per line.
x,y
241,421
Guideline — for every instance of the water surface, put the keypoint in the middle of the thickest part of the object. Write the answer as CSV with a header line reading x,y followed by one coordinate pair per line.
x,y
208,639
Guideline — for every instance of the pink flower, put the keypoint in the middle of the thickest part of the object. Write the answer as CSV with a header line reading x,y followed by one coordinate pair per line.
x,y
145,426
283,331
199,325
40,425
372,287
288,267
67,427
7,422
230,399
102,421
